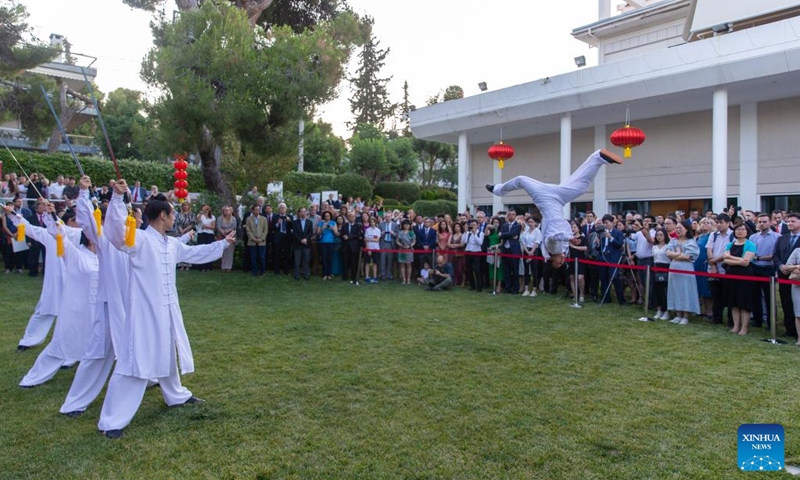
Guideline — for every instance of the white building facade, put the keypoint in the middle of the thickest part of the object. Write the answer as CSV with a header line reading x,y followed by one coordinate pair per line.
x,y
719,103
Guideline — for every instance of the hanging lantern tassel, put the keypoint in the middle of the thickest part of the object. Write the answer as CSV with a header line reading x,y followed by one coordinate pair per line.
x,y
21,232
98,220
130,231
59,244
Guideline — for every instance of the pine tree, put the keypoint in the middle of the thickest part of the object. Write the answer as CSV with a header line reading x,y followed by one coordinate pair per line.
x,y
370,102
406,111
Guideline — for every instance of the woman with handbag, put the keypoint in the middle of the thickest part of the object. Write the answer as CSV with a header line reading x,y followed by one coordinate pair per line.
x,y
660,260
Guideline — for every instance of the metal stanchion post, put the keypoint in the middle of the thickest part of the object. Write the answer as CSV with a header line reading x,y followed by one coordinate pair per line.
x,y
646,317
494,282
773,311
360,257
575,304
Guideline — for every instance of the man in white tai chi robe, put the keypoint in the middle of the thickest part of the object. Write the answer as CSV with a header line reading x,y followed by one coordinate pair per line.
x,y
154,328
76,309
107,326
50,299
550,199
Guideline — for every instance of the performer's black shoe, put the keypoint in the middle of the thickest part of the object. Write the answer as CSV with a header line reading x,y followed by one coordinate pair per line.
x,y
490,187
113,434
74,414
22,348
66,367
610,157
193,400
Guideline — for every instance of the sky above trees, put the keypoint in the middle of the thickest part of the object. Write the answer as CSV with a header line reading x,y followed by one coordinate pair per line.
x,y
433,44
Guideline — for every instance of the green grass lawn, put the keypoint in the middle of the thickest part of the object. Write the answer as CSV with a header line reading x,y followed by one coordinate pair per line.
x,y
318,380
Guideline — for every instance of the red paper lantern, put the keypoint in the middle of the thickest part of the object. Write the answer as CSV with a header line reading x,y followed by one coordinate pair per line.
x,y
628,137
181,193
501,152
181,184
180,175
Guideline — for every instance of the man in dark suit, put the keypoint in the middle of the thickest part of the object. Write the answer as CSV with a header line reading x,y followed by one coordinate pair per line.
x,y
266,212
509,238
779,224
36,219
302,232
783,248
138,193
351,235
611,243
426,240
282,241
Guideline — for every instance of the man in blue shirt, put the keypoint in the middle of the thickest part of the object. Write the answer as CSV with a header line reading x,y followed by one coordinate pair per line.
x,y
765,240
441,277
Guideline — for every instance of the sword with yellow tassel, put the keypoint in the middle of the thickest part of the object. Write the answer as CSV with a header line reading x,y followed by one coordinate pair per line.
x,y
21,226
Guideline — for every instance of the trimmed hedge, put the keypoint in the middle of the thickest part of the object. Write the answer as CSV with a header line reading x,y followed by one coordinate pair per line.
x,y
307,182
402,191
101,170
428,195
393,206
445,194
352,185
430,208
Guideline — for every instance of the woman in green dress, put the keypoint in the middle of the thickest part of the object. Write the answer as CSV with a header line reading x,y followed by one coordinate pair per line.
x,y
495,271
406,242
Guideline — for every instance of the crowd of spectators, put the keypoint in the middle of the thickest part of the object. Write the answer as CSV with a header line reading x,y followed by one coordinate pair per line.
x,y
348,239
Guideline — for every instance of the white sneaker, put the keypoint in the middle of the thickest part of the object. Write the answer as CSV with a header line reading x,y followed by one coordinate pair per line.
x,y
525,293
658,315
684,321
581,300
675,320
533,293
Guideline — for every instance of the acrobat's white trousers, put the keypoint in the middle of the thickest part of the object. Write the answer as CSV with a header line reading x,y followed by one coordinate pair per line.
x,y
551,197
44,368
124,396
37,329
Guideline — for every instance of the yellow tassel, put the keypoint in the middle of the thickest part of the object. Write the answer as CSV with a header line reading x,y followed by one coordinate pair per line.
x,y
98,220
59,244
21,232
627,152
130,231
501,165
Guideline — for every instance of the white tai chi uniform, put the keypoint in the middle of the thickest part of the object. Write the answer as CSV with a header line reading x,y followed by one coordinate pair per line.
x,y
72,331
50,299
550,199
107,325
153,328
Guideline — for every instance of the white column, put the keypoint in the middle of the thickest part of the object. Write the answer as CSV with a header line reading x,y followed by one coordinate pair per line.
x,y
600,202
566,153
497,177
719,156
603,9
748,156
464,184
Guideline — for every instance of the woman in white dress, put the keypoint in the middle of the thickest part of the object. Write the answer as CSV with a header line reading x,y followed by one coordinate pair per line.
x,y
682,289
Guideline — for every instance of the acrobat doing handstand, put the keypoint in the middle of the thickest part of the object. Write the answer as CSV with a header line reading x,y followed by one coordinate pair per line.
x,y
550,199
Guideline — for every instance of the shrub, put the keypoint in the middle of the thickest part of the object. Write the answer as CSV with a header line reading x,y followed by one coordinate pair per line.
x,y
430,208
403,191
445,194
306,182
402,208
429,195
352,185
101,170
391,201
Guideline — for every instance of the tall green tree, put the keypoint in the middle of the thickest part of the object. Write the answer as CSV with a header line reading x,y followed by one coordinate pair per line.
x,y
438,160
19,49
370,102
222,77
324,151
131,133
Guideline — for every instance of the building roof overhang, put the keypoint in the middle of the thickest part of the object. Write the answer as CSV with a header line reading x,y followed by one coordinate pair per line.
x,y
72,74
757,64
637,19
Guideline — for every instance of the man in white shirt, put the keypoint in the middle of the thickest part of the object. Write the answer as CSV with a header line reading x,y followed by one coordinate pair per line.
x,y
644,236
473,241
550,199
56,190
